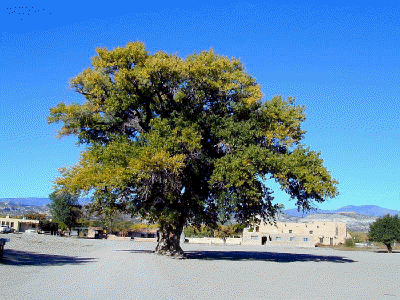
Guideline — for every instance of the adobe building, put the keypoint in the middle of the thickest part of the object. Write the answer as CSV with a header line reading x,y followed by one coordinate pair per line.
x,y
20,225
296,234
96,233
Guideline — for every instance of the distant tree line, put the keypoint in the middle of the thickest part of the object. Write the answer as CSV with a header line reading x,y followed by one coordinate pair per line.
x,y
221,231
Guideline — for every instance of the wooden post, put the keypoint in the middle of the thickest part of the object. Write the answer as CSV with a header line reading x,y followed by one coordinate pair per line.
x,y
2,243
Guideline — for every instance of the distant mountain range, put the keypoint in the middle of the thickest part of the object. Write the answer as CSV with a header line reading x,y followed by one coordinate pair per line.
x,y
18,208
22,206
354,221
34,201
357,218
365,210
27,201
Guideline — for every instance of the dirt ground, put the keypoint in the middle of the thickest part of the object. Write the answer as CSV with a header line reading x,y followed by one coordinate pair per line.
x,y
49,267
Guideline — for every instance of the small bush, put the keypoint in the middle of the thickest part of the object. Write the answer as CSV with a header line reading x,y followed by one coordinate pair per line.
x,y
350,243
359,237
202,231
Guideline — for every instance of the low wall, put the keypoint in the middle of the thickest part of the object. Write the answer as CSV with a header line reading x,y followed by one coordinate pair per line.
x,y
215,241
278,239
251,242
138,239
118,238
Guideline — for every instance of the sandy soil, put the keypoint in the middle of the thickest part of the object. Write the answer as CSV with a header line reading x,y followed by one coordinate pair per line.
x,y
47,267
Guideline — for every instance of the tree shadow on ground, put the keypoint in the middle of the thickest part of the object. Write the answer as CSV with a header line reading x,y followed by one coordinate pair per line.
x,y
23,258
138,251
264,256
255,256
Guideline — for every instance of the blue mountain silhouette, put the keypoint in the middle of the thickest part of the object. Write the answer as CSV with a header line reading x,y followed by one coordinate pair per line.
x,y
366,210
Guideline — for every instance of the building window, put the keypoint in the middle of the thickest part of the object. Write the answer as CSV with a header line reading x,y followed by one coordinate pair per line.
x,y
278,238
305,240
254,237
257,229
292,238
12,224
311,232
321,240
290,231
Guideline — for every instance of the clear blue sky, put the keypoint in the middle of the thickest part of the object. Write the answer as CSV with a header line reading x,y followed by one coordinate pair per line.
x,y
342,62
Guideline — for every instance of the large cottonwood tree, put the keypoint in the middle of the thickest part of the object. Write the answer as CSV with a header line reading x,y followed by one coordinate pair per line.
x,y
185,141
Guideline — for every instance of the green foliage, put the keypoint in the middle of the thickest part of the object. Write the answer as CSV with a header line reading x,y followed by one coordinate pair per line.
x,y
350,243
65,208
359,237
46,225
62,226
385,230
138,227
84,222
96,223
224,231
189,231
185,141
35,216
202,231
123,227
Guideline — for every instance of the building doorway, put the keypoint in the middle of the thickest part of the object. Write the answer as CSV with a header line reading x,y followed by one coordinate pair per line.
x,y
331,241
264,240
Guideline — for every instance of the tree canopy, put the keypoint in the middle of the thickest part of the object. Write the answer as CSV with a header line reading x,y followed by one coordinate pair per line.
x,y
185,141
65,208
385,230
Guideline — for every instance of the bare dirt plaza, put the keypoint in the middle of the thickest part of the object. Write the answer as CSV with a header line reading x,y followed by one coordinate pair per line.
x,y
49,267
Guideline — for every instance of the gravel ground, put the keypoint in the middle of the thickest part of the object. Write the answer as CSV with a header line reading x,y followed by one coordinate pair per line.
x,y
48,267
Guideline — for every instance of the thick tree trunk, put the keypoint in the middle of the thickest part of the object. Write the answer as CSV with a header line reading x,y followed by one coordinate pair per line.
x,y
169,240
389,247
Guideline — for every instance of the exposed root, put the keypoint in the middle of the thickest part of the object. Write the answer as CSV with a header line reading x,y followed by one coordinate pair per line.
x,y
179,254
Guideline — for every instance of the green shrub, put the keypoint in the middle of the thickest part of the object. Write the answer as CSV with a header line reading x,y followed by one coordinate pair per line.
x,y
202,231
359,237
350,243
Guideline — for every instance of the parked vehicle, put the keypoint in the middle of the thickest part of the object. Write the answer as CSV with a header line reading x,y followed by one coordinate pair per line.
x,y
5,229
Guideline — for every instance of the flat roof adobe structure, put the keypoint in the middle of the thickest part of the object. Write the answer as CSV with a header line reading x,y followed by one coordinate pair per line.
x,y
297,234
19,225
